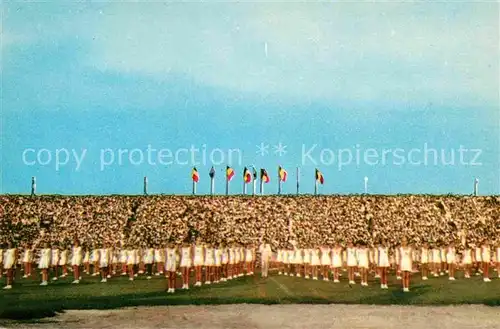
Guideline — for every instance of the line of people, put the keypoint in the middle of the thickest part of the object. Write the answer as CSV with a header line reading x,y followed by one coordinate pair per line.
x,y
360,260
211,264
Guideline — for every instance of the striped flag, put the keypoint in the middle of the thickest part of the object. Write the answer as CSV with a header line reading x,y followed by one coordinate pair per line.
x,y
319,177
212,173
283,174
229,173
247,176
254,173
264,176
195,175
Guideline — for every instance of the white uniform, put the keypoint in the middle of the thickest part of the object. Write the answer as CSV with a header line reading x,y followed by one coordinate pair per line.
x,y
248,255
159,256
224,256
337,257
485,254
9,258
131,256
279,257
307,256
450,255
104,256
351,257
286,257
76,256
45,255
149,256
86,257
424,256
443,255
363,258
478,254
63,257
217,257
138,256
297,257
198,256
209,257
436,256
467,257
231,255
28,256
186,260
1,256
383,257
171,260
94,256
406,259
315,261
498,256
55,257
123,256
325,257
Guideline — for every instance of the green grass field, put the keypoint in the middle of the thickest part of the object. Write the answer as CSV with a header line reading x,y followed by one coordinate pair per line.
x,y
29,301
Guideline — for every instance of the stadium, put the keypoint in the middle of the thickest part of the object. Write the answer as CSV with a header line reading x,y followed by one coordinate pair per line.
x,y
209,164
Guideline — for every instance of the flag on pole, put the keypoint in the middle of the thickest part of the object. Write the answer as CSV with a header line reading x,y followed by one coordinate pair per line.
x,y
195,175
247,176
254,173
319,177
283,174
264,176
212,172
229,173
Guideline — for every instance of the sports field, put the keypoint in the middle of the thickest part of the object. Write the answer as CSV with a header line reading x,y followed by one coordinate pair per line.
x,y
29,301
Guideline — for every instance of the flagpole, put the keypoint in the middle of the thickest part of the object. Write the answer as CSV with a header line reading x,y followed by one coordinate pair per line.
x,y
315,187
227,186
254,187
279,182
366,185
261,184
298,179
33,186
145,185
212,187
476,186
244,187
194,187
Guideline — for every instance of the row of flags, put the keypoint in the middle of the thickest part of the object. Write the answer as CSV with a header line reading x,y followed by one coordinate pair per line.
x,y
248,176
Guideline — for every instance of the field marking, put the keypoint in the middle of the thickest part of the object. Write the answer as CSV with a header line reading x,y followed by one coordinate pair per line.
x,y
282,287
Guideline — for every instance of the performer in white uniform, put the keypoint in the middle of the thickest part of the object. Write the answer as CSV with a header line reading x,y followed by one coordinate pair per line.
x,y
351,262
209,263
298,261
265,253
198,262
54,261
436,261
326,262
406,264
131,261
148,259
307,262
9,264
159,259
218,263
224,262
104,257
467,261
486,258
27,260
250,259
315,263
76,261
498,258
383,263
171,266
450,259
424,261
336,262
186,263
363,264
63,261
44,264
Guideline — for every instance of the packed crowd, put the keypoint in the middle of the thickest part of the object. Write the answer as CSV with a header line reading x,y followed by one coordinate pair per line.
x,y
121,224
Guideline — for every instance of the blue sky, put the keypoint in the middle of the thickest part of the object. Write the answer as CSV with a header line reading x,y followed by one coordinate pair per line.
x,y
354,76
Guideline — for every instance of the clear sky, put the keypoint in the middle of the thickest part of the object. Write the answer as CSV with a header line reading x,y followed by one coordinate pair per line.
x,y
382,90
